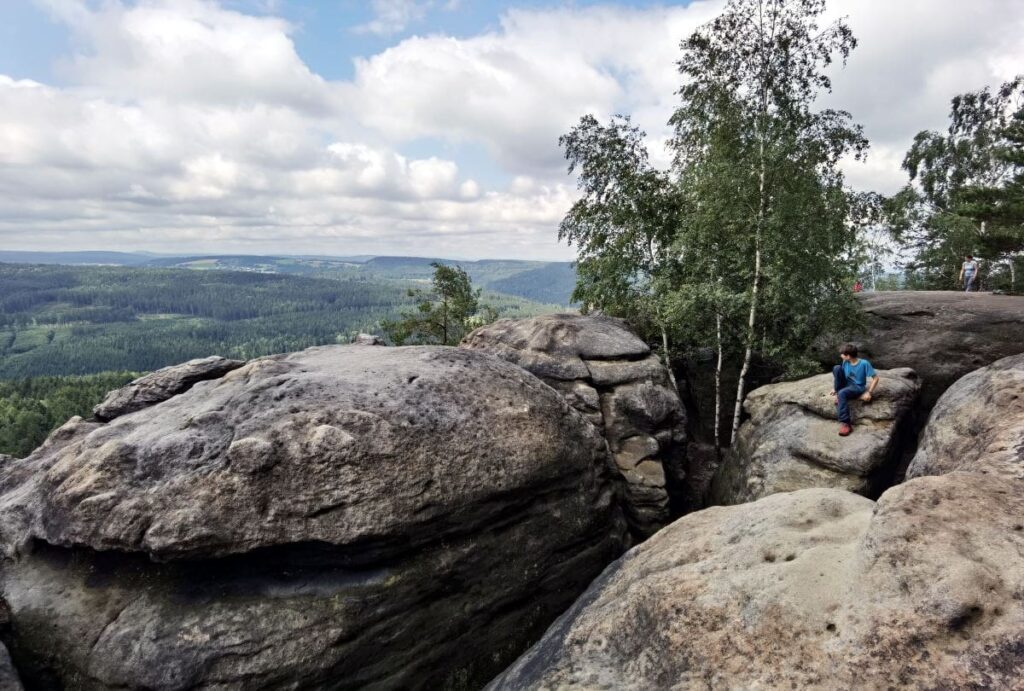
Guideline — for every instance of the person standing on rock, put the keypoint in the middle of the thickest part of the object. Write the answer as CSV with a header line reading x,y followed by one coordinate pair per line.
x,y
968,272
850,380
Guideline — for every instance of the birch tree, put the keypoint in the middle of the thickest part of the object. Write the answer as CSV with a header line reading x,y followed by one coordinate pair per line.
x,y
623,226
966,191
748,140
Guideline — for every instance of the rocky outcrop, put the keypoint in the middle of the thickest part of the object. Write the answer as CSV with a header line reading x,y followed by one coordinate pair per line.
x,y
9,680
977,425
336,518
818,588
161,385
790,440
367,339
941,335
607,373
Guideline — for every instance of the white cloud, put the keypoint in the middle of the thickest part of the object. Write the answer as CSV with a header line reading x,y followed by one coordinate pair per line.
x,y
189,127
391,16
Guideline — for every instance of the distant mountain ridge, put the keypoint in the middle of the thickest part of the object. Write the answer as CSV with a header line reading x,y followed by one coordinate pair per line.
x,y
540,281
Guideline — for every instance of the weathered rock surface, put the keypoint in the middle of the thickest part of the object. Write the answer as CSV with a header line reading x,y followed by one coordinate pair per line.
x,y
158,386
942,335
336,518
977,425
790,440
367,339
607,373
818,588
9,680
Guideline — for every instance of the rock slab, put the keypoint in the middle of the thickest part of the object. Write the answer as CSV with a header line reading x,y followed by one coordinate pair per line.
x,y
337,518
822,588
977,425
942,335
162,384
790,440
610,375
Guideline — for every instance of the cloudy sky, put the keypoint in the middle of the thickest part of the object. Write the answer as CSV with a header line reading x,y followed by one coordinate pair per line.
x,y
424,127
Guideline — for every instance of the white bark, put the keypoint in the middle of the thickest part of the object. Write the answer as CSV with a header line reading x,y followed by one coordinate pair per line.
x,y
668,361
718,382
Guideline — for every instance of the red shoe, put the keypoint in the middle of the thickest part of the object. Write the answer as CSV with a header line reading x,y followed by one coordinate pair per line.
x,y
844,429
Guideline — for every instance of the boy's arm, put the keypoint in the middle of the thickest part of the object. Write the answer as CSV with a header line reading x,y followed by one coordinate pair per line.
x,y
874,382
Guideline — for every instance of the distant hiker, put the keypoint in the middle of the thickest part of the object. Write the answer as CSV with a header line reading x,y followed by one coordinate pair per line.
x,y
968,272
850,380
858,287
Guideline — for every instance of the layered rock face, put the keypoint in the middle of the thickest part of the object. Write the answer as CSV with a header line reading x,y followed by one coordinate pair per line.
x,y
336,518
941,335
790,440
163,384
821,588
607,373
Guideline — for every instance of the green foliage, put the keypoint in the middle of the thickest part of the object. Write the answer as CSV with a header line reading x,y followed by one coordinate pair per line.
x,y
623,224
546,282
58,320
966,194
31,408
445,314
750,247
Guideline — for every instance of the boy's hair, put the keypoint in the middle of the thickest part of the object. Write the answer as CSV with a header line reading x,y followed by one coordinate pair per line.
x,y
970,256
848,349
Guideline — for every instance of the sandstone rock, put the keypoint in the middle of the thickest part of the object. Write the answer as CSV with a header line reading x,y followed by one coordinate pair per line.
x,y
336,518
818,588
158,386
942,335
9,680
977,425
610,375
367,339
790,441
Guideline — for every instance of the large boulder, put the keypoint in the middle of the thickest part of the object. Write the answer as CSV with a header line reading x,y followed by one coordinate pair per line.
x,y
335,518
977,425
610,375
790,440
819,588
942,335
162,384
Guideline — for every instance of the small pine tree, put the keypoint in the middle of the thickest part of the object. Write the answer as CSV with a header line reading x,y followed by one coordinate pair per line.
x,y
445,314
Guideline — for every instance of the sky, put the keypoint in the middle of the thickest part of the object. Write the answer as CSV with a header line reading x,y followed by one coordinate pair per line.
x,y
406,127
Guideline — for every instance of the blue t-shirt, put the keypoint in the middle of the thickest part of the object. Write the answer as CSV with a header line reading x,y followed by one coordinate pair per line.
x,y
858,374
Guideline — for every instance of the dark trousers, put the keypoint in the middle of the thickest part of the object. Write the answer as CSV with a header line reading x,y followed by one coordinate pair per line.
x,y
845,391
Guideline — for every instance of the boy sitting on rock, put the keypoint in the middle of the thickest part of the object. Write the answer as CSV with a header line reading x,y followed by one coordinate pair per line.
x,y
850,380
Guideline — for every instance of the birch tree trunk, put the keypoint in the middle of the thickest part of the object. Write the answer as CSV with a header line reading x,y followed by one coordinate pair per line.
x,y
668,360
718,384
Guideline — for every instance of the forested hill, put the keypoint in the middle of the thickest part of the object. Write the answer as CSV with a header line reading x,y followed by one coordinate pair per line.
x,y
61,320
548,282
